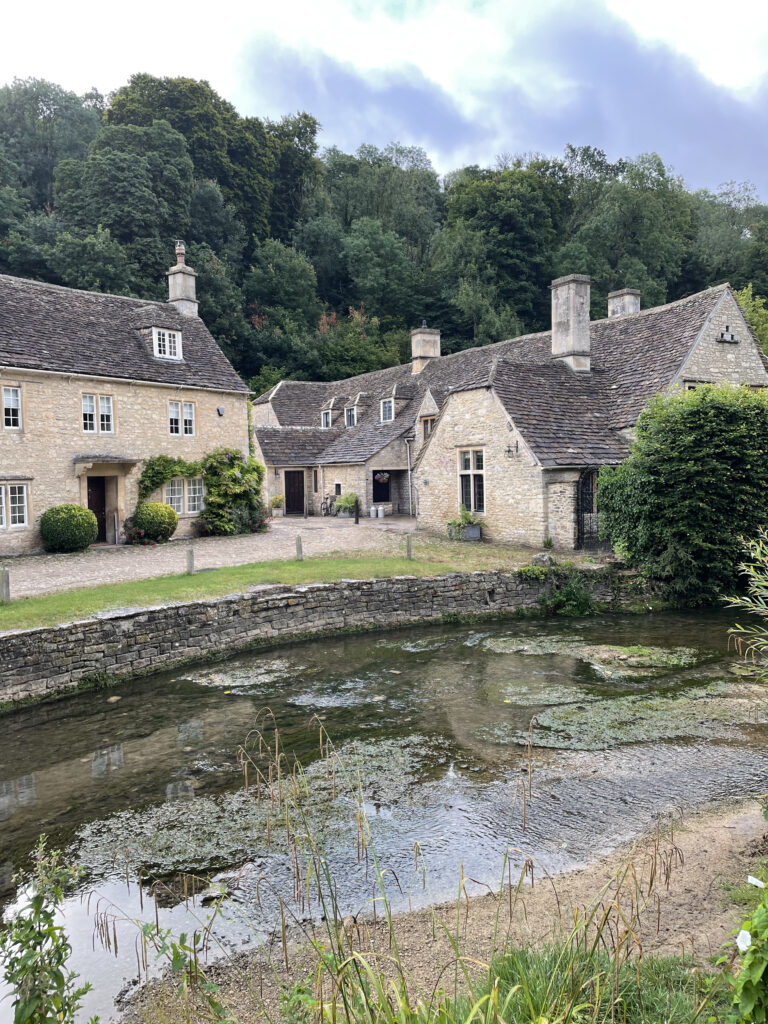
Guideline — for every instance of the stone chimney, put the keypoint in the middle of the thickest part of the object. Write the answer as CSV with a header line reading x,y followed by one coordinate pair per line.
x,y
181,284
570,321
623,302
425,345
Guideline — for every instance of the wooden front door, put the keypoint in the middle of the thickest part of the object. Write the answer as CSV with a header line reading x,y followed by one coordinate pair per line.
x,y
97,503
294,492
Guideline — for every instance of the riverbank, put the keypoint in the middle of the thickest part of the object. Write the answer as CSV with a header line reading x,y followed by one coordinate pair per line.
x,y
694,862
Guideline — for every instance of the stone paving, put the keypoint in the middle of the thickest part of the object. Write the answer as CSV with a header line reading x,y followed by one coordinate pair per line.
x,y
44,574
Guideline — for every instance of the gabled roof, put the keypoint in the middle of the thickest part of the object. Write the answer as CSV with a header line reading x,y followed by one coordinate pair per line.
x,y
293,446
48,327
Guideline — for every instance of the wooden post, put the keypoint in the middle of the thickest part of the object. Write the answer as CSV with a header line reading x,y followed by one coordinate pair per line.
x,y
409,547
5,586
299,551
190,561
357,511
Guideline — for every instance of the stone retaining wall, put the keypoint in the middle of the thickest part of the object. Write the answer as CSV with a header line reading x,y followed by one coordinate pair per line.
x,y
40,663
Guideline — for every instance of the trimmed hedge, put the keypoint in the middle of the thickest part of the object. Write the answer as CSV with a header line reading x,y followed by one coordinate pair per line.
x,y
66,528
153,521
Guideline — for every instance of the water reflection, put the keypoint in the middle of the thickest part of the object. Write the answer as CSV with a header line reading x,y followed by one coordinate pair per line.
x,y
107,759
15,793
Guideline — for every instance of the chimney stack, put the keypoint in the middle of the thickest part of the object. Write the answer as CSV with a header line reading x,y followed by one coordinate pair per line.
x,y
425,345
181,284
623,302
570,321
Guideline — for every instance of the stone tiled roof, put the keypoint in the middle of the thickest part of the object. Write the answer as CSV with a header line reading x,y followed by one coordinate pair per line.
x,y
293,446
567,418
48,327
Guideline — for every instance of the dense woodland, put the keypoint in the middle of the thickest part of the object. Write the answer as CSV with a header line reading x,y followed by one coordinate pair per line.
x,y
316,264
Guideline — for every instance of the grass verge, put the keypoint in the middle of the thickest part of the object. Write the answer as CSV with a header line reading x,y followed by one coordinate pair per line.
x,y
52,609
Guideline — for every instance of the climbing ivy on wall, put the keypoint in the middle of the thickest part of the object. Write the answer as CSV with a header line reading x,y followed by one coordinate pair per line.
x,y
160,469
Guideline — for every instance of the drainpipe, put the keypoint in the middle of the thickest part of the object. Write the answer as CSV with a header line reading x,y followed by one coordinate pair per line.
x,y
410,491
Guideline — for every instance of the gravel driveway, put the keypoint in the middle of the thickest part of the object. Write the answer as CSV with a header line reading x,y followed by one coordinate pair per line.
x,y
44,574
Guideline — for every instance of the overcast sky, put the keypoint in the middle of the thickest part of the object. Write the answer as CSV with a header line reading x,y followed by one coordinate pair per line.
x,y
465,79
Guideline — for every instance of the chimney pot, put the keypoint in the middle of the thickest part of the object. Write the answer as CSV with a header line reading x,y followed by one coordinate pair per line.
x,y
181,283
425,345
623,302
570,321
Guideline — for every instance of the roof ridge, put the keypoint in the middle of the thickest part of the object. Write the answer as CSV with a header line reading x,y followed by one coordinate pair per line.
x,y
664,305
85,291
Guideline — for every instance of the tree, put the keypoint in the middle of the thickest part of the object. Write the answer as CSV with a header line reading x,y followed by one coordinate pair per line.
x,y
297,171
282,281
321,239
756,313
381,274
694,485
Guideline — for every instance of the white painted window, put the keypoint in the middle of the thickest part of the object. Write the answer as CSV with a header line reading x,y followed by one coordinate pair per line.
x,y
174,417
17,504
350,417
106,418
174,494
472,479
166,344
387,410
12,408
195,494
189,419
89,414
2,505
325,418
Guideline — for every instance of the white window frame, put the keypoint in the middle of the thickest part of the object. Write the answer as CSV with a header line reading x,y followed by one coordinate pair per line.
x,y
389,405
2,506
174,494
24,506
475,469
353,417
106,410
198,493
325,419
166,344
9,391
89,425
174,405
188,419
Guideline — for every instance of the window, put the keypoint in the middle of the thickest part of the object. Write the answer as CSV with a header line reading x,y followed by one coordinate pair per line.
x,y
105,414
166,344
195,494
174,417
350,417
189,419
325,418
314,480
427,424
387,410
12,408
17,504
337,488
472,479
174,494
2,505
89,414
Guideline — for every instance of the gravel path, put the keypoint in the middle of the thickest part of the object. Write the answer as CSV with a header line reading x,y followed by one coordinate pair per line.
x,y
45,574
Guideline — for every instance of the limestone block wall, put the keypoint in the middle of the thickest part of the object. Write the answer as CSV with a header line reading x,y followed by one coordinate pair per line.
x,y
716,361
52,437
42,663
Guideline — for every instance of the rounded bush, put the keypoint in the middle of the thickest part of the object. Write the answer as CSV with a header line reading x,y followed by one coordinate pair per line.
x,y
155,520
68,528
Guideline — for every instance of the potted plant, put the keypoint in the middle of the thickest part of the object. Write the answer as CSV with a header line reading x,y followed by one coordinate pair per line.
x,y
466,526
276,504
345,505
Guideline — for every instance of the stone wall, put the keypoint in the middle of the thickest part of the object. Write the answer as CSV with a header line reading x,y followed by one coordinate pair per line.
x,y
715,361
45,662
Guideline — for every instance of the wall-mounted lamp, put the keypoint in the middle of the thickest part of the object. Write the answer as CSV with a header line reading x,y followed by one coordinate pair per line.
x,y
509,451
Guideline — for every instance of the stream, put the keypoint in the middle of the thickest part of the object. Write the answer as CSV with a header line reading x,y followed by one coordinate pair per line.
x,y
618,719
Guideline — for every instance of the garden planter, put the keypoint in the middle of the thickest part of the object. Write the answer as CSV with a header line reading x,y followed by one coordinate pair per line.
x,y
470,532
346,513
278,512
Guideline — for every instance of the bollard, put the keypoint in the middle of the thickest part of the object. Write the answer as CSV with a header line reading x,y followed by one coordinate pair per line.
x,y
5,586
357,511
190,561
299,551
409,547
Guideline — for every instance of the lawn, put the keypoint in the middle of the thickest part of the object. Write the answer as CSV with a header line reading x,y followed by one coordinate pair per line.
x,y
51,609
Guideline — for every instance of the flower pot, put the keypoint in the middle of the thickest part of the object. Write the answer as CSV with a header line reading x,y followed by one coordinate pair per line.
x,y
277,512
470,532
346,513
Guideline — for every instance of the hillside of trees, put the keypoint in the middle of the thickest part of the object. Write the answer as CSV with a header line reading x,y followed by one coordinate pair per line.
x,y
316,264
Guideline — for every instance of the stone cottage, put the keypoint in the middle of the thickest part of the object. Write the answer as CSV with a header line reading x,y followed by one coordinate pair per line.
x,y
92,385
514,431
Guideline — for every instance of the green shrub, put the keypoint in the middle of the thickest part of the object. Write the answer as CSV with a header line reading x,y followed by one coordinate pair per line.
x,y
232,494
695,483
153,521
68,528
277,501
346,502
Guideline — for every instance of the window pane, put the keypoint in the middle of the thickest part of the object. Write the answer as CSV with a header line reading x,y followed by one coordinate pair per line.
x,y
89,413
350,417
189,418
466,491
174,494
12,407
105,414
17,505
195,494
387,411
326,419
174,420
479,487
478,460
2,505
465,460
172,344
161,344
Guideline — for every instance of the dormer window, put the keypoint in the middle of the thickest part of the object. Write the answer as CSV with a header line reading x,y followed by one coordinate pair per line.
x,y
166,344
387,410
350,417
325,418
